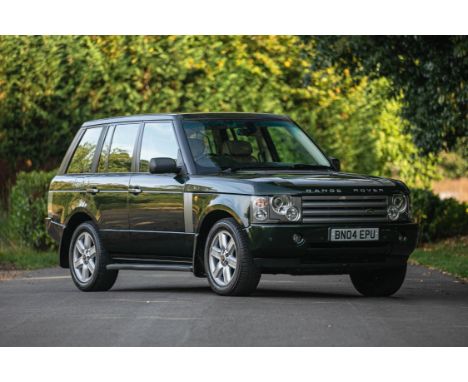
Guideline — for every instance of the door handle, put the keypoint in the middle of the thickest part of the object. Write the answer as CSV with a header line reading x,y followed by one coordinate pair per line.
x,y
134,190
92,190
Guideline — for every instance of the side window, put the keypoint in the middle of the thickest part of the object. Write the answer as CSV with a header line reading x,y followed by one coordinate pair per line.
x,y
103,159
158,140
121,148
82,159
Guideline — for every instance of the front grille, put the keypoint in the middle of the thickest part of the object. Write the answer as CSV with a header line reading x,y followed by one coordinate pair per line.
x,y
344,208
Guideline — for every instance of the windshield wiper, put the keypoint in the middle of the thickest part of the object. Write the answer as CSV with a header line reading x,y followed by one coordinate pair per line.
x,y
296,166
304,166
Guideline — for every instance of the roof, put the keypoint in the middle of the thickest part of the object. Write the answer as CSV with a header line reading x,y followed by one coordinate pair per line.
x,y
169,116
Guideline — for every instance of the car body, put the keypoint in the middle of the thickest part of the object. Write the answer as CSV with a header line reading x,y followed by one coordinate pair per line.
x,y
157,214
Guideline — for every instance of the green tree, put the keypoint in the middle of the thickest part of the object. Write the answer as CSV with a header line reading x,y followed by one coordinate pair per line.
x,y
431,73
49,85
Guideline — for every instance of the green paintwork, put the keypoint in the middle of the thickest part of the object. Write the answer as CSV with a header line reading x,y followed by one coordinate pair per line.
x,y
163,221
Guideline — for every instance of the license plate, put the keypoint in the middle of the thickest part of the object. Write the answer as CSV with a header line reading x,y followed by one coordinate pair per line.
x,y
354,234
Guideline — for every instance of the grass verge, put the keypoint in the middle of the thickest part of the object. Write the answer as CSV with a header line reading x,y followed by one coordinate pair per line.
x,y
20,258
450,256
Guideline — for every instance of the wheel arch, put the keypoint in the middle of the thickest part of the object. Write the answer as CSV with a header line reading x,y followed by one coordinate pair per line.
x,y
208,221
74,221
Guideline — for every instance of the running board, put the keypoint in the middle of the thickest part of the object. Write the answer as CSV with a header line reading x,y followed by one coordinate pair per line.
x,y
150,267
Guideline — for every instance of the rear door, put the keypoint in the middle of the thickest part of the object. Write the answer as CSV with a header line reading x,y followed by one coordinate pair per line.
x,y
156,201
108,186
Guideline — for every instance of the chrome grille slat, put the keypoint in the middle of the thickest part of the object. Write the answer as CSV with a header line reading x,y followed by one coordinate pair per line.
x,y
342,220
345,204
344,212
343,197
344,208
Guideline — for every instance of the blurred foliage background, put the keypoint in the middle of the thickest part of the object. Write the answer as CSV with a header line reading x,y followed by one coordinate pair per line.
x,y
388,106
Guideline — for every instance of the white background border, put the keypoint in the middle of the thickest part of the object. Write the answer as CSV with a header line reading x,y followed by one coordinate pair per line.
x,y
233,364
233,17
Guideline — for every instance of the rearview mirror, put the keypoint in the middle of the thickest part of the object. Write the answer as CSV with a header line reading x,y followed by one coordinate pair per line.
x,y
335,163
163,166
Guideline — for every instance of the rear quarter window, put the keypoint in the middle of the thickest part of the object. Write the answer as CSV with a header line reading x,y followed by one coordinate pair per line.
x,y
82,159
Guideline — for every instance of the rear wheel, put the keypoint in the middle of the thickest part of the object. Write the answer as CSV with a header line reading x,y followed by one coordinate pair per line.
x,y
379,283
228,263
88,260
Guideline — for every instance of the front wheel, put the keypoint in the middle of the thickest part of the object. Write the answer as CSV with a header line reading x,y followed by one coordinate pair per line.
x,y
228,263
88,260
379,283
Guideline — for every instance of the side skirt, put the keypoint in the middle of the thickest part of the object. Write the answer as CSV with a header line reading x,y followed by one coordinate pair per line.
x,y
150,267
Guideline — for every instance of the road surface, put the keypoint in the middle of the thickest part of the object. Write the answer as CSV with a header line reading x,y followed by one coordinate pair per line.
x,y
43,308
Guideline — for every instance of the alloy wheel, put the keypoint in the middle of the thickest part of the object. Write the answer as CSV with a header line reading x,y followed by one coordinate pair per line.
x,y
222,258
84,257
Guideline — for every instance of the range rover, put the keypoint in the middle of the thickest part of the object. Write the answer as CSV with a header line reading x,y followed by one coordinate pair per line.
x,y
227,196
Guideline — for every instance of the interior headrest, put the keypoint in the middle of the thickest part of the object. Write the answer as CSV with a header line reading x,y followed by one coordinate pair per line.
x,y
238,148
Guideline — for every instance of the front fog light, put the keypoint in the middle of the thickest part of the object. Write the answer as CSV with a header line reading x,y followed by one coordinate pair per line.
x,y
292,214
393,213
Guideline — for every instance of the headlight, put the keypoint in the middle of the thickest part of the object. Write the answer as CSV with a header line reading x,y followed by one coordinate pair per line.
x,y
276,209
293,214
260,209
400,202
281,203
399,205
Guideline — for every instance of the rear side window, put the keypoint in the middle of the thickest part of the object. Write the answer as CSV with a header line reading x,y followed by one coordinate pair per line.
x,y
158,141
82,159
121,148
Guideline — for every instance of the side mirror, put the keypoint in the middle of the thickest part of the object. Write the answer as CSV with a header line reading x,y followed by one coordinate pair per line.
x,y
163,166
335,163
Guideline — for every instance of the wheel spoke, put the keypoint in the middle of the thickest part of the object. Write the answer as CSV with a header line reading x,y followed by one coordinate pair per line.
x,y
91,266
231,246
78,262
217,271
84,272
92,250
232,262
227,274
87,241
215,252
80,246
223,240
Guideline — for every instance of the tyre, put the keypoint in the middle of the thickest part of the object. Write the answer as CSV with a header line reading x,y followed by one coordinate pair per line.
x,y
228,263
88,260
379,283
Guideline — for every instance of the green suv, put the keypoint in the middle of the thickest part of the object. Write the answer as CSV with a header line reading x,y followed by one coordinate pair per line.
x,y
227,196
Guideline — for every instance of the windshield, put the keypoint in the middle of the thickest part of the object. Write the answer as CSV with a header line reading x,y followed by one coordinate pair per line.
x,y
232,145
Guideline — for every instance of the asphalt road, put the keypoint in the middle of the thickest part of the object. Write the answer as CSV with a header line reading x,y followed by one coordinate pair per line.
x,y
44,308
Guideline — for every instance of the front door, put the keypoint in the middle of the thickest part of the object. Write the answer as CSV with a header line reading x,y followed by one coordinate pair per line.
x,y
156,201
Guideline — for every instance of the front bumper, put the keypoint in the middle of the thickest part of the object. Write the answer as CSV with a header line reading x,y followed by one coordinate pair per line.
x,y
275,251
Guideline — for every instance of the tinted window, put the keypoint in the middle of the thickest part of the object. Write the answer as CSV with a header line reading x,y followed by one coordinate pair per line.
x,y
102,166
82,159
121,149
158,141
250,144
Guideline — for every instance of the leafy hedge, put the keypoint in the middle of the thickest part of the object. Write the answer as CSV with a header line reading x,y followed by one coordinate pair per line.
x,y
28,209
438,218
